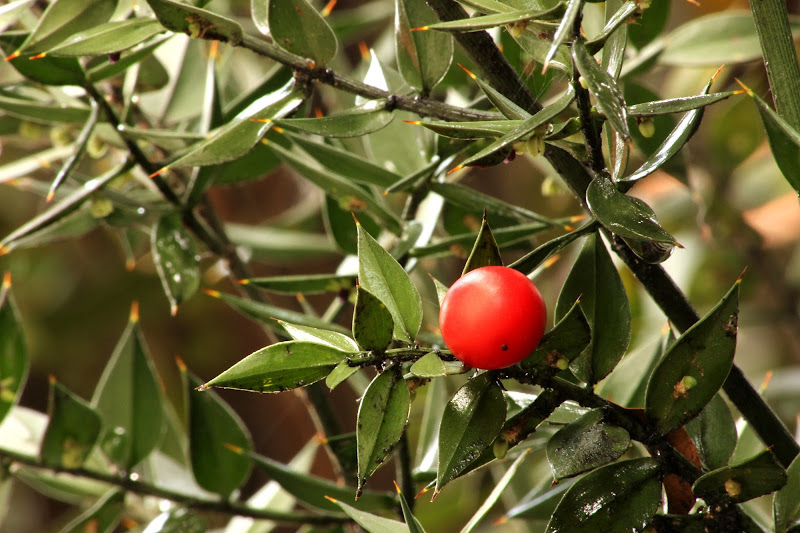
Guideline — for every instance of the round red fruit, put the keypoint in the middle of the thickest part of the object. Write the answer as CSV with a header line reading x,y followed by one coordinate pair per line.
x,y
492,317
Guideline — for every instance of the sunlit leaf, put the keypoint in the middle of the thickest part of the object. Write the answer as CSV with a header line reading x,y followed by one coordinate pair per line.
x,y
608,96
108,38
195,22
422,57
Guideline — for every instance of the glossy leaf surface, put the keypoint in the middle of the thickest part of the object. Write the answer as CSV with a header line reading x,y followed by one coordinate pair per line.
x,y
320,336
485,251
281,366
755,477
585,444
429,366
382,418
620,496
786,504
195,22
372,522
608,95
562,344
714,433
472,419
64,18
298,28
695,366
372,322
304,283
382,275
176,258
350,123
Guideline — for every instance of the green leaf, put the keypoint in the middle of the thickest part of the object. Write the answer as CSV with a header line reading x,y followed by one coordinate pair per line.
x,y
81,143
532,260
269,314
102,517
10,12
784,141
564,31
108,69
507,236
509,109
429,365
616,497
470,199
595,280
499,19
313,490
45,70
72,431
237,137
650,25
585,444
673,143
786,504
713,432
538,504
562,344
471,421
320,336
607,94
46,112
195,22
298,28
213,427
372,322
304,283
64,18
755,477
627,216
526,128
177,520
349,195
485,251
128,398
277,246
355,122
107,38
281,366
380,274
340,374
382,418
479,129
176,259
414,525
677,105
695,366
371,522
423,58
14,358
727,37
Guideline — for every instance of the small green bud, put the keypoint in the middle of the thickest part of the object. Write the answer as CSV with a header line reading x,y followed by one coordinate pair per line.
x,y
517,29
562,363
583,83
101,207
30,130
647,127
500,448
535,145
96,147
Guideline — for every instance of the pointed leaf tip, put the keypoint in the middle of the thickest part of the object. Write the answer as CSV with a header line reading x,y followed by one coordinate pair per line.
x,y
181,364
328,8
232,447
202,388
50,195
133,317
13,56
470,74
714,77
7,279
332,500
212,293
173,310
158,172
397,487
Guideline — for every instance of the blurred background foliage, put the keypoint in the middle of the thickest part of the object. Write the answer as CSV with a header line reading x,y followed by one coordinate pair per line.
x,y
74,295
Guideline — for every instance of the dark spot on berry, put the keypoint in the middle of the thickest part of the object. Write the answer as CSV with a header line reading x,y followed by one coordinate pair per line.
x,y
504,347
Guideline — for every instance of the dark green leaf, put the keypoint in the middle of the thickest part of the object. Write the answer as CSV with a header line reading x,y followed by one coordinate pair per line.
x,y
45,70
786,504
539,505
72,431
531,261
298,28
622,496
784,141
128,398
102,517
526,129
372,322
350,123
457,244
279,367
755,477
562,344
695,366
627,216
108,38
382,418
608,95
499,19
304,283
471,421
313,490
469,198
677,105
382,275
422,57
595,281
268,313
565,28
429,365
176,258
509,109
414,525
349,195
64,18
585,444
195,22
714,433
14,362
650,25
482,129
485,251
673,143
213,428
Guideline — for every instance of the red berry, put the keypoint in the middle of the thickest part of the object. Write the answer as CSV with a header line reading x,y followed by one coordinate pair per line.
x,y
492,317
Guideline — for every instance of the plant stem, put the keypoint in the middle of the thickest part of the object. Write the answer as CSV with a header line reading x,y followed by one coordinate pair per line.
x,y
772,25
223,506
